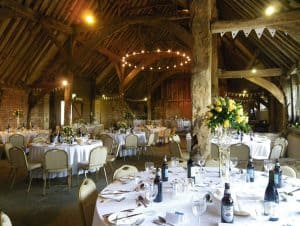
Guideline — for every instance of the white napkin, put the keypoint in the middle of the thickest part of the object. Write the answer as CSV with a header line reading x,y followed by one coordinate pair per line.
x,y
117,197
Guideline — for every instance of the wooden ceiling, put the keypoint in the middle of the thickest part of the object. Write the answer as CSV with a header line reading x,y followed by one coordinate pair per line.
x,y
40,40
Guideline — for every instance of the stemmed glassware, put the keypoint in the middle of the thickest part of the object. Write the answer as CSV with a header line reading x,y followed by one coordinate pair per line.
x,y
268,165
198,206
151,191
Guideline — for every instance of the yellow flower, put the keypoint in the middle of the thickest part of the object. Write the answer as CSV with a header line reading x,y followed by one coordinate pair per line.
x,y
231,105
240,111
226,124
245,119
209,115
239,119
218,109
217,102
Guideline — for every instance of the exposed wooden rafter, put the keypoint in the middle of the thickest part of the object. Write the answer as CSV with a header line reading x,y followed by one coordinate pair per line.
x,y
278,19
271,72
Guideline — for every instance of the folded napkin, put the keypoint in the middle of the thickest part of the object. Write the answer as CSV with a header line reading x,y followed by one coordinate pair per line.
x,y
116,197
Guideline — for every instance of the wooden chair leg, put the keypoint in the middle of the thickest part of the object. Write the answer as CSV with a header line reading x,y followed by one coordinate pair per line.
x,y
105,175
14,174
45,183
30,179
69,178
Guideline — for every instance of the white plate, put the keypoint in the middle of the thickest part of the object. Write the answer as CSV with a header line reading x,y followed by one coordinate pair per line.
x,y
128,218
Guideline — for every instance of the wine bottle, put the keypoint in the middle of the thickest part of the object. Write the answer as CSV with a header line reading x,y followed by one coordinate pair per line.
x,y
164,168
277,175
250,170
227,206
271,199
190,164
158,184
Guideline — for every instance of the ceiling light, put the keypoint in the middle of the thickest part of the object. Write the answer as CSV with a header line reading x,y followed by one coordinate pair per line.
x,y
253,71
89,18
270,10
64,82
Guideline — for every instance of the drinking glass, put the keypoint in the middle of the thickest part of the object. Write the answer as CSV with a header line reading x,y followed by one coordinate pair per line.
x,y
233,162
151,191
198,206
268,165
174,161
149,166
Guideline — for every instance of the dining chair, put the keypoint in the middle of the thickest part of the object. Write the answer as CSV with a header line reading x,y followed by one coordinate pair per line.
x,y
107,142
18,161
4,219
125,171
112,156
148,147
288,171
97,131
55,161
131,144
176,138
17,140
175,151
282,141
97,160
276,151
8,146
241,151
87,197
214,151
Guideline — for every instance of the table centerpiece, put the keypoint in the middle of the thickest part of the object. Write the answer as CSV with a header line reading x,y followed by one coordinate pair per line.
x,y
225,114
18,114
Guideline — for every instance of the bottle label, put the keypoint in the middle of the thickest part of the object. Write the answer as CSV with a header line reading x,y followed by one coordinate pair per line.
x,y
227,213
166,172
276,178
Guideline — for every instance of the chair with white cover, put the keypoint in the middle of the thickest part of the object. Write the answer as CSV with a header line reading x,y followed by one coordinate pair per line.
x,y
18,161
176,138
276,151
214,151
4,219
288,171
87,197
125,171
97,160
107,141
241,151
17,140
112,156
175,151
282,141
56,161
148,147
131,144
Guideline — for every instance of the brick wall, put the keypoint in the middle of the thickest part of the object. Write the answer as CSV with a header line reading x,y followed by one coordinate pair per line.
x,y
13,99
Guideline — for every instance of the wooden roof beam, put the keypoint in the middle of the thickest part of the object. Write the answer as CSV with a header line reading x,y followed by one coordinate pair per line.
x,y
275,20
104,73
271,72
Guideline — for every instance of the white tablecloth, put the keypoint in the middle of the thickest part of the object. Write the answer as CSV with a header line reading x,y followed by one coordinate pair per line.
x,y
289,211
260,146
28,134
76,153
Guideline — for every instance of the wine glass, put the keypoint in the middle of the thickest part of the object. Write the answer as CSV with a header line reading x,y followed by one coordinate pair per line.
x,y
151,191
233,162
198,206
268,165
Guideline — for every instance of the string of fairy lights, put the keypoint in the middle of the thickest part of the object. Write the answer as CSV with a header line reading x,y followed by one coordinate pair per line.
x,y
181,57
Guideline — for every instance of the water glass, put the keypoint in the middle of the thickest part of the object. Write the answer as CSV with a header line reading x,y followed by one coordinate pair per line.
x,y
198,206
151,191
149,166
174,162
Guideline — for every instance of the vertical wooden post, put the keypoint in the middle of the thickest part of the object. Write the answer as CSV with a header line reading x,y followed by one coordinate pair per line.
x,y
201,75
149,107
52,116
68,100
214,56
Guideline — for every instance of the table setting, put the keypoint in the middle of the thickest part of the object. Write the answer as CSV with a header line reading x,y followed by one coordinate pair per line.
x,y
183,200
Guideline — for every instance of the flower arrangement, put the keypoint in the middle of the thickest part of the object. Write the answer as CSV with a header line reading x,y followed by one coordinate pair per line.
x,y
227,113
18,113
128,115
68,131
121,124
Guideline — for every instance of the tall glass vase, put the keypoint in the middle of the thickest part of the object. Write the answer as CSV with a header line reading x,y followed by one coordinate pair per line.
x,y
224,153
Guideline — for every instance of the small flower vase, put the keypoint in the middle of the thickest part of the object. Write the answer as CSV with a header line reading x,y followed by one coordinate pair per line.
x,y
18,122
224,153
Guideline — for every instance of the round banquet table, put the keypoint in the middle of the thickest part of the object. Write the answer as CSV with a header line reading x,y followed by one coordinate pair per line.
x,y
250,199
28,134
260,146
76,153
